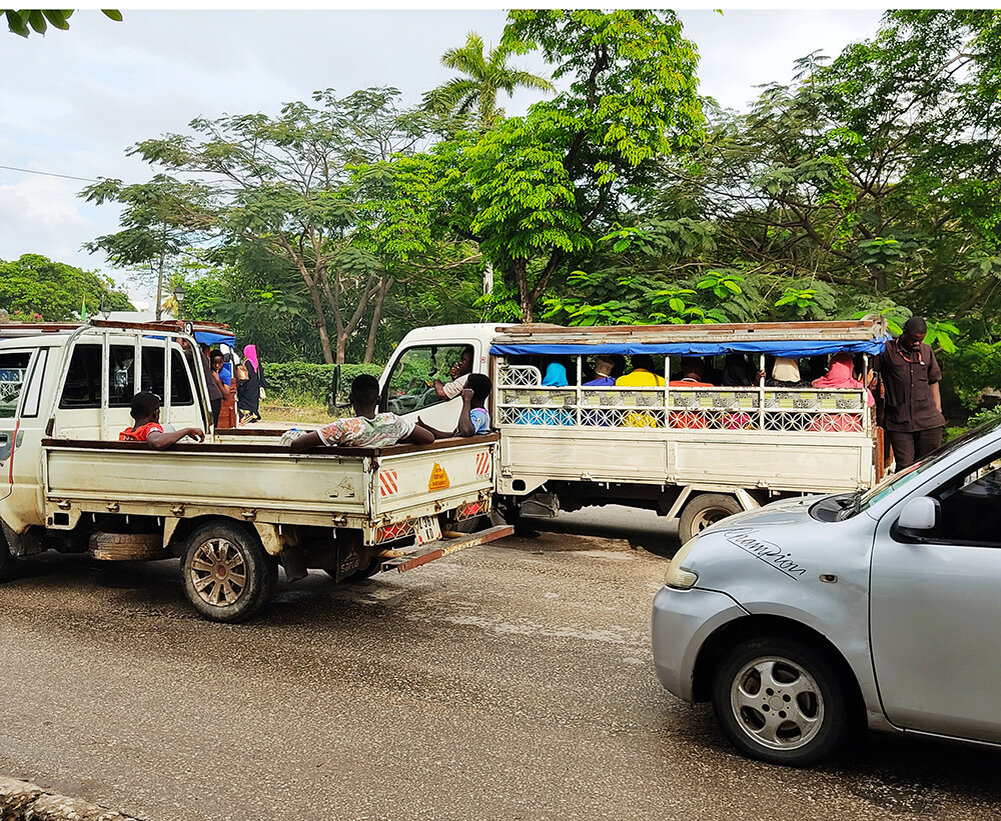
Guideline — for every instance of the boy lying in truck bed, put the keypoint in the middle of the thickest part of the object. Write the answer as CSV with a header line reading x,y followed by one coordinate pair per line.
x,y
368,429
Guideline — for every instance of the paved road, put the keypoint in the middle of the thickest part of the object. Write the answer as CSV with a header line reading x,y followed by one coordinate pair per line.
x,y
509,682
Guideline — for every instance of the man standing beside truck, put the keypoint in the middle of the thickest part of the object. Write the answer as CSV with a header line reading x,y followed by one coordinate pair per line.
x,y
910,374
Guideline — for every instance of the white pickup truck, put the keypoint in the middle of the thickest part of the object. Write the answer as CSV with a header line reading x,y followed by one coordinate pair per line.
x,y
697,453
231,507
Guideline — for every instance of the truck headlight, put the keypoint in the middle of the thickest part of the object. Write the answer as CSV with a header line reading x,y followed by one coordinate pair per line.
x,y
678,577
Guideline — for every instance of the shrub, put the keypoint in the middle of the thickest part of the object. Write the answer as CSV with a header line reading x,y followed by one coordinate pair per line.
x,y
307,381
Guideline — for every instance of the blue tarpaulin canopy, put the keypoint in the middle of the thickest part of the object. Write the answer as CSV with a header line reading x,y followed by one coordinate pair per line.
x,y
792,348
210,338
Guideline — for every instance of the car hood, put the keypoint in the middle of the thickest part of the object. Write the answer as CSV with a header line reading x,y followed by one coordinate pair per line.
x,y
783,512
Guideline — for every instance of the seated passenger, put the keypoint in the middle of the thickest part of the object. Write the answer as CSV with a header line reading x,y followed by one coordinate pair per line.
x,y
474,418
643,373
691,375
839,375
785,374
145,411
737,371
604,368
459,372
556,375
368,429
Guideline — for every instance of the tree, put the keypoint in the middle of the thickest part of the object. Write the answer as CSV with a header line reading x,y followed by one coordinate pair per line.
x,y
285,186
158,216
876,172
486,76
55,291
536,192
22,22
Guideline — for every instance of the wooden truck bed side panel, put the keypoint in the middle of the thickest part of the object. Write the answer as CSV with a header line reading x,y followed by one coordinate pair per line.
x,y
225,480
784,461
269,483
445,477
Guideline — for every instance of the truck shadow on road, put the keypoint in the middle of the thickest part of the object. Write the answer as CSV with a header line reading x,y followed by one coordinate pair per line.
x,y
642,529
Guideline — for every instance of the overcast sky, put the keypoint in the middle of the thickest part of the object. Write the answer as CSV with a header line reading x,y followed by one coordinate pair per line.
x,y
73,102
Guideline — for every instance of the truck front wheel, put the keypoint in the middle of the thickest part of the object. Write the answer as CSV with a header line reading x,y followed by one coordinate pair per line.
x,y
228,576
704,510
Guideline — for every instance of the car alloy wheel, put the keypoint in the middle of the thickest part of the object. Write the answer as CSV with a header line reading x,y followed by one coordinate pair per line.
x,y
777,703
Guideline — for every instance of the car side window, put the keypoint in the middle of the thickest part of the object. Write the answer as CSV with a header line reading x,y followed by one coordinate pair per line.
x,y
121,376
82,388
970,506
12,372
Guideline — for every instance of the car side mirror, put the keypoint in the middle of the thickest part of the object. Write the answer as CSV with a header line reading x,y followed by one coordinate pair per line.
x,y
919,514
335,398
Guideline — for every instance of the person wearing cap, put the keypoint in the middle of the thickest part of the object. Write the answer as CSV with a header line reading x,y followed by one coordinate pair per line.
x,y
910,378
604,365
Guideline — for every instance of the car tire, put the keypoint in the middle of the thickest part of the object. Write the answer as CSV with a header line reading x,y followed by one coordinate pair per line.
x,y
781,700
228,576
704,510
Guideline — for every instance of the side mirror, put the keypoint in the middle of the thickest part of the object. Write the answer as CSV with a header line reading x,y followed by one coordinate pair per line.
x,y
335,398
919,514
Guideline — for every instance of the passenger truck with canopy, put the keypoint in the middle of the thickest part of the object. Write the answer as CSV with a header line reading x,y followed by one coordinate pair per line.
x,y
695,453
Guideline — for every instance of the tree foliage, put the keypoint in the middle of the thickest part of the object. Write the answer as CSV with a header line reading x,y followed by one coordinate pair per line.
x,y
56,292
25,21
536,192
486,76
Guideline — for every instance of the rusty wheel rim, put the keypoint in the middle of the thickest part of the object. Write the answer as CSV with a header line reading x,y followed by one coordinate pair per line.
x,y
218,572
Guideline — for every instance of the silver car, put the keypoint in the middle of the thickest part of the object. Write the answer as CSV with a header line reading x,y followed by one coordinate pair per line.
x,y
806,619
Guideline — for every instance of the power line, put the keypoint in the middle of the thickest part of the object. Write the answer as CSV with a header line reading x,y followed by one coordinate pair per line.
x,y
48,174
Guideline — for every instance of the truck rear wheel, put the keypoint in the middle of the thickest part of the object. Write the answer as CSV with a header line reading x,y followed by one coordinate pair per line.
x,y
704,510
228,576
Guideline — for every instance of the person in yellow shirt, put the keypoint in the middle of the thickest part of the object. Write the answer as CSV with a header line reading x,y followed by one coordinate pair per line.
x,y
643,375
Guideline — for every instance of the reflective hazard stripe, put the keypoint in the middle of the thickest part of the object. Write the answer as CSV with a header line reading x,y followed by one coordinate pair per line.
x,y
482,464
387,483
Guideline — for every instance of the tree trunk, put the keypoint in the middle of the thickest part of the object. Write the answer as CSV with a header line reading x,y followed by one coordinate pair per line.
x,y
373,328
342,345
519,269
321,322
488,278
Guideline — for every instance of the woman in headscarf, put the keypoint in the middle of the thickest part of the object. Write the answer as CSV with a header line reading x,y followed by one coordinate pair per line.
x,y
249,392
839,375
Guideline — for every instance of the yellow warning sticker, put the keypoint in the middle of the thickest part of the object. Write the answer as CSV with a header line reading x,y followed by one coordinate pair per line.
x,y
439,479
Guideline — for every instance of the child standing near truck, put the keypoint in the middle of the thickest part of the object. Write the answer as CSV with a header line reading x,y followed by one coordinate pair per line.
x,y
145,411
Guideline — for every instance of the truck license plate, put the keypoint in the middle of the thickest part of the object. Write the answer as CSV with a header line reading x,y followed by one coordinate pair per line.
x,y
428,529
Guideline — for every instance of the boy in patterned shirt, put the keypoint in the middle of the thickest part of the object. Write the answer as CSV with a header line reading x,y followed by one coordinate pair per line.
x,y
368,429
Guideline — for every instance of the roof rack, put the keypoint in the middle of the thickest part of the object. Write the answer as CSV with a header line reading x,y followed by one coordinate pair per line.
x,y
869,328
11,330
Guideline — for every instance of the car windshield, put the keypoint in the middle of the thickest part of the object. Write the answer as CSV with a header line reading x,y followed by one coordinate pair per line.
x,y
909,474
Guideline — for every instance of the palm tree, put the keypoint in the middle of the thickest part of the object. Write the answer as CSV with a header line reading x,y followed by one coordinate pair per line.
x,y
487,75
